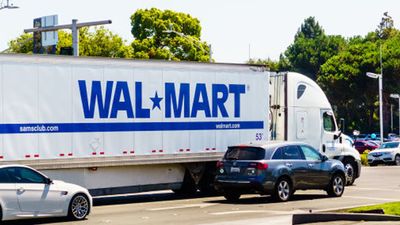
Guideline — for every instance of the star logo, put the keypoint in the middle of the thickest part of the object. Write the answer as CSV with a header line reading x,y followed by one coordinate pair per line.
x,y
156,101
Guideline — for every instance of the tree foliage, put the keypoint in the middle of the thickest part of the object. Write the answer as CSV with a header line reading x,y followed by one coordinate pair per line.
x,y
343,78
99,42
312,48
167,35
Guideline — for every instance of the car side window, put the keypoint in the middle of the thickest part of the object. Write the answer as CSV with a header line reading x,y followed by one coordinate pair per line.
x,y
278,154
310,153
25,175
4,177
292,152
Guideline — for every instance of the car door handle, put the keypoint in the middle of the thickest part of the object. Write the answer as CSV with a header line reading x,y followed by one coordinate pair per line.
x,y
21,190
310,165
289,164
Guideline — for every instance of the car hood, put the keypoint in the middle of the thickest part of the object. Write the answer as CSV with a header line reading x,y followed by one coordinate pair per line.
x,y
384,150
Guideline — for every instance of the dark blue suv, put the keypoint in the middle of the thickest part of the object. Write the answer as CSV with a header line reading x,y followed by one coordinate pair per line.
x,y
277,169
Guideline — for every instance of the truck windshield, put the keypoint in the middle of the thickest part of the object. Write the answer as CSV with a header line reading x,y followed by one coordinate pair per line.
x,y
245,153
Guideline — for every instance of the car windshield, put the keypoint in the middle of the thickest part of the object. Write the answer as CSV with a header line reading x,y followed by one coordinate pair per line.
x,y
245,153
390,145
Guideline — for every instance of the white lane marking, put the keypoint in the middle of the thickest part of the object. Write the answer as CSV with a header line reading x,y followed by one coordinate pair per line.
x,y
372,198
203,205
258,211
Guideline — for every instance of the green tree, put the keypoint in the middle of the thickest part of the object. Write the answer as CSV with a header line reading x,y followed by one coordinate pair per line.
x,y
167,35
99,42
269,63
344,81
312,48
386,27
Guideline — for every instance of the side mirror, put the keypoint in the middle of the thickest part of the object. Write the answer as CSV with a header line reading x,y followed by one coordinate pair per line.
x,y
324,158
336,136
49,181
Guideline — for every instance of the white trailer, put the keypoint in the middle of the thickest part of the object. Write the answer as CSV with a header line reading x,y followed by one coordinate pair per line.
x,y
118,126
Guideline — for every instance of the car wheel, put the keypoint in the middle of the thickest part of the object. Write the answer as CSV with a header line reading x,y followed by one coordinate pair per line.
x,y
397,160
283,190
336,186
79,207
350,172
231,196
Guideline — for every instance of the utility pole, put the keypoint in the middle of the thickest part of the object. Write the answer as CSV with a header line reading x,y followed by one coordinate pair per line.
x,y
74,27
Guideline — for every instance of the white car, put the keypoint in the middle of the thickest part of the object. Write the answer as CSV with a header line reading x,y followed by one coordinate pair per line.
x,y
26,193
387,153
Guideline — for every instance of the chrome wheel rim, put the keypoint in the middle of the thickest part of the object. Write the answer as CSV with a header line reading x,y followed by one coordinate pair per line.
x,y
338,185
80,207
283,190
349,172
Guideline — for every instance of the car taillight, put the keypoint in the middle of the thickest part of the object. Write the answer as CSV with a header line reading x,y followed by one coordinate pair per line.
x,y
220,164
262,166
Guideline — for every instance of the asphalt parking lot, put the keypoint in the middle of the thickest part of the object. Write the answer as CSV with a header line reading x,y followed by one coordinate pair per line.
x,y
376,185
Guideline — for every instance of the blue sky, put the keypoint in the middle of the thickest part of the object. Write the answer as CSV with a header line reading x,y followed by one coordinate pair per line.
x,y
234,28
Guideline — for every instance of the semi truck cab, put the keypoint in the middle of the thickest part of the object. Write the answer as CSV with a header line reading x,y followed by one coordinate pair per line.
x,y
300,111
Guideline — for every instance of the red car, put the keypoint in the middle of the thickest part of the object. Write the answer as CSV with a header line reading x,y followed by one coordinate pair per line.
x,y
362,145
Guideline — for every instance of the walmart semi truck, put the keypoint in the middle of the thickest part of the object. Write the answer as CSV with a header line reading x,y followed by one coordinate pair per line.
x,y
122,126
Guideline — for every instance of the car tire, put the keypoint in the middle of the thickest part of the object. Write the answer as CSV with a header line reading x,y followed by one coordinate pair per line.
x,y
349,167
336,186
79,207
397,160
231,196
283,190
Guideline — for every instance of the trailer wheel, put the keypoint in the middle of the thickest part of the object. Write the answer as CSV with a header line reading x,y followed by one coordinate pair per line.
x,y
206,184
188,185
232,196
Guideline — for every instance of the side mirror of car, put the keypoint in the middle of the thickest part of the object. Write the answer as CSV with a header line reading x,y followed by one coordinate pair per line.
x,y
324,158
49,181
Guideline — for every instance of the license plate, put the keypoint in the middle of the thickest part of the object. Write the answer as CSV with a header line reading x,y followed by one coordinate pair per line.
x,y
235,170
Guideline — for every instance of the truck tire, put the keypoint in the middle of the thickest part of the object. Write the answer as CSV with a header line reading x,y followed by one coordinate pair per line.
x,y
79,207
349,167
283,190
206,184
188,185
336,185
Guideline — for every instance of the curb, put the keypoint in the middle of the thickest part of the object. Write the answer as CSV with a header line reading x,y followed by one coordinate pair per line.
x,y
326,217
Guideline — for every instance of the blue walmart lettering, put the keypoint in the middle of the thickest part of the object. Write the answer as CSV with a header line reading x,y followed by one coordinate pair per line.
x,y
117,100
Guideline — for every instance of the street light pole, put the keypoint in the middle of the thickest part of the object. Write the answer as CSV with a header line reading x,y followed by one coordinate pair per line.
x,y
379,77
74,28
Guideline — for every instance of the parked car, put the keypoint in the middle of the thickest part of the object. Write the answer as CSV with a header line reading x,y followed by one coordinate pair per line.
x,y
277,169
393,137
26,193
363,145
387,153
